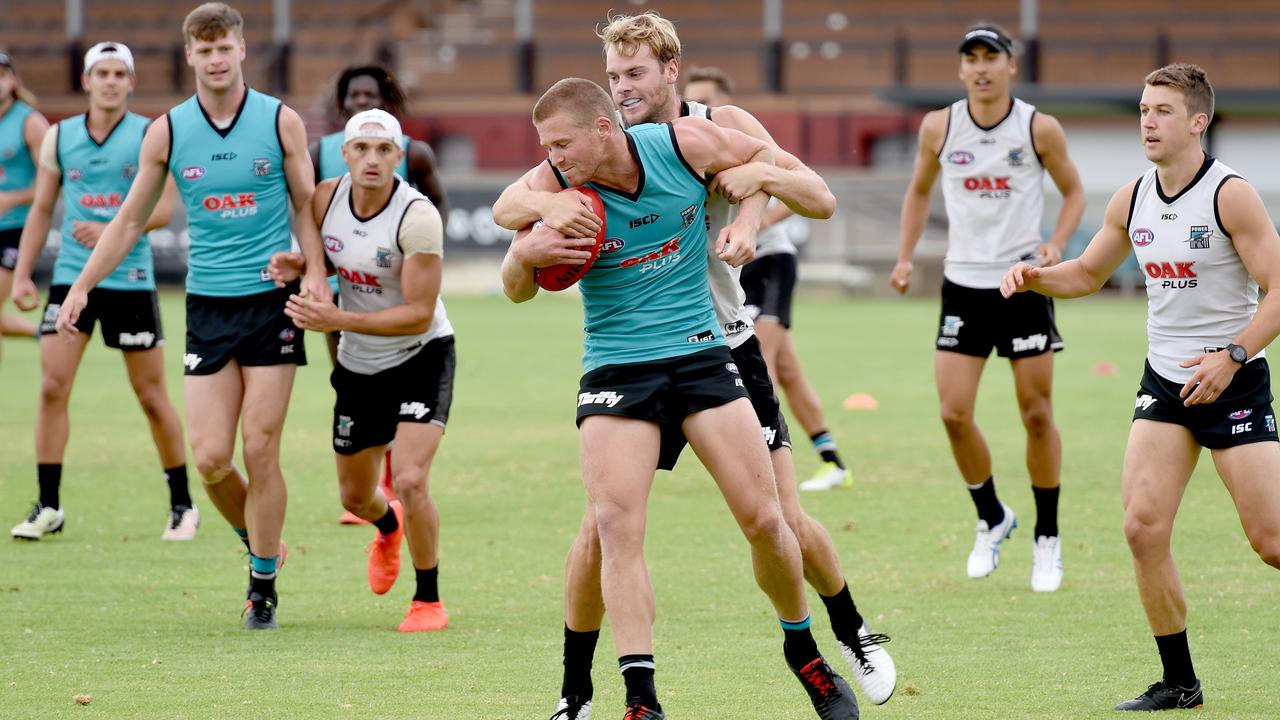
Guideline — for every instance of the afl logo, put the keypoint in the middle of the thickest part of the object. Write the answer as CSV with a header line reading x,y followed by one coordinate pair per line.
x,y
960,157
611,245
1143,237
1240,414
75,174
332,244
195,172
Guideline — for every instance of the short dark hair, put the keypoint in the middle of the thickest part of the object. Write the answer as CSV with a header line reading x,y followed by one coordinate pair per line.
x,y
1191,80
393,100
710,74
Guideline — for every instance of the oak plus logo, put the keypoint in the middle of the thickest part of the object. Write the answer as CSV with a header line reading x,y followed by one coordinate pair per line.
x,y
989,186
232,205
1176,275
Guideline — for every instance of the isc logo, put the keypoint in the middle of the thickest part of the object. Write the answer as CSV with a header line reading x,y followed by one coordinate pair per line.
x,y
646,220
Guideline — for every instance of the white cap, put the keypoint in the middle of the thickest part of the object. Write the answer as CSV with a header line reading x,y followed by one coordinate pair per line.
x,y
372,124
108,51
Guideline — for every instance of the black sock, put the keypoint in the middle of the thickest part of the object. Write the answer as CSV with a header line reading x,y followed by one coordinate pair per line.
x,y
988,505
1046,511
826,447
49,475
579,649
179,495
388,523
427,590
637,673
798,646
1176,658
845,620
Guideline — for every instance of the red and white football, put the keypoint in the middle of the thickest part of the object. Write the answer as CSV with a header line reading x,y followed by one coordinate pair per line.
x,y
559,277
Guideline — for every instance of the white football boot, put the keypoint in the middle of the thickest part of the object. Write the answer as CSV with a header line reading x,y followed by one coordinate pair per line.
x,y
985,555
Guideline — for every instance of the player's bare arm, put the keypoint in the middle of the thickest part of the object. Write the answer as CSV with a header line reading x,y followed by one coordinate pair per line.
x,y
791,181
285,267
301,179
420,284
36,231
710,149
915,204
1255,240
535,196
422,173
1086,274
1051,143
33,132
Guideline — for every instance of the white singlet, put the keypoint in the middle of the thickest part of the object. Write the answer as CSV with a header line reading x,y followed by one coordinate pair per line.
x,y
726,288
369,254
1199,294
992,181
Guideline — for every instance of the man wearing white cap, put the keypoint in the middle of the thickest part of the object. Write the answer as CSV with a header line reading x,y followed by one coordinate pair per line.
x,y
91,159
394,374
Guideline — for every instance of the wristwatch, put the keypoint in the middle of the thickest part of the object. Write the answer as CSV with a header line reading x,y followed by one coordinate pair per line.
x,y
1238,353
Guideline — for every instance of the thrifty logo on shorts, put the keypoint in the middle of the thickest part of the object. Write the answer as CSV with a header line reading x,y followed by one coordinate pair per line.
x,y
416,409
1031,342
608,398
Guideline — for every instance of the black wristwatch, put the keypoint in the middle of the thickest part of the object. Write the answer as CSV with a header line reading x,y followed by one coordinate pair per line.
x,y
1238,353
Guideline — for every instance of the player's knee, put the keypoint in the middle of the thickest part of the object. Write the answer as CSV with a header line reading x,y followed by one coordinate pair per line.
x,y
1269,550
261,449
355,499
1144,531
54,391
765,524
956,419
212,469
1038,419
618,527
410,481
154,402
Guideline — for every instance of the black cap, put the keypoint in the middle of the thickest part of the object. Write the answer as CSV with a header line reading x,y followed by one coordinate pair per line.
x,y
989,35
6,60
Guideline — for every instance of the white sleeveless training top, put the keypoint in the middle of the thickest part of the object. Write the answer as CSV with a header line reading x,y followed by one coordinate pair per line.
x,y
1199,294
726,287
369,255
992,181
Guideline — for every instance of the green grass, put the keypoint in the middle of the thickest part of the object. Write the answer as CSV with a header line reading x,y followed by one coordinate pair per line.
x,y
151,630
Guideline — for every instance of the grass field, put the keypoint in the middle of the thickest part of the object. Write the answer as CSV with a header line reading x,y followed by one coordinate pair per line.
x,y
151,629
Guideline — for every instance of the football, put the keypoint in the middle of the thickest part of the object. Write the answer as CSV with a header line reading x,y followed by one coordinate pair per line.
x,y
559,277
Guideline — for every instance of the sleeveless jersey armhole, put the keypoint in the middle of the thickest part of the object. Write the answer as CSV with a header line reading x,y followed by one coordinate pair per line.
x,y
400,224
675,145
168,152
1217,215
1133,202
1031,133
57,150
946,133
564,184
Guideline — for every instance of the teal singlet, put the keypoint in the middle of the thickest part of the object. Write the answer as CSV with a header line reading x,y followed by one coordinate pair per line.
x,y
17,169
233,185
647,297
332,166
95,180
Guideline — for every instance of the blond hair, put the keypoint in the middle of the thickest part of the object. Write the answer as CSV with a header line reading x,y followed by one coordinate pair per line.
x,y
1191,81
628,32
581,99
211,21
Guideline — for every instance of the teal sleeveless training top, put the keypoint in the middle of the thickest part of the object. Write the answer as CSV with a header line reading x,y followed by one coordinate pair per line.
x,y
332,166
95,180
647,297
237,199
17,169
